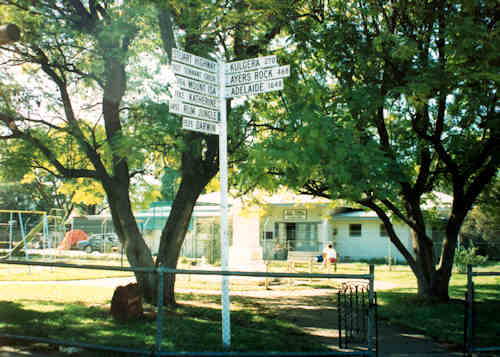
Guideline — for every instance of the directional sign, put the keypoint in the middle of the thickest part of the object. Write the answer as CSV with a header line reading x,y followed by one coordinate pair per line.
x,y
200,125
194,111
250,64
197,86
258,75
254,88
194,73
196,99
195,61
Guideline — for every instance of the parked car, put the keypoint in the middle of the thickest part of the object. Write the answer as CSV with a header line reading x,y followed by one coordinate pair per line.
x,y
99,243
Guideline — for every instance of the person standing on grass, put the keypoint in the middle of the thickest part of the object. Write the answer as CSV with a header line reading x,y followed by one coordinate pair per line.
x,y
329,255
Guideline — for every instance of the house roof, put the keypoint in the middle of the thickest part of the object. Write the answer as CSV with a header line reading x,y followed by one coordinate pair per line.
x,y
356,215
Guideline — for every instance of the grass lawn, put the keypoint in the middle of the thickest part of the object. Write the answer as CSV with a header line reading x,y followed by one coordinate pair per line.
x,y
56,310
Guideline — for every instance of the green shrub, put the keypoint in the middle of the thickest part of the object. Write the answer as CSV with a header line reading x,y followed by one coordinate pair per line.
x,y
464,257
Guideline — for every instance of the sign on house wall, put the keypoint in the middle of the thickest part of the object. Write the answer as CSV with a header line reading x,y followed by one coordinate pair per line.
x,y
295,214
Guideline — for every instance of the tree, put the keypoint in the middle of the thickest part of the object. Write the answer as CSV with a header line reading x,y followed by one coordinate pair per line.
x,y
88,56
75,58
388,102
239,29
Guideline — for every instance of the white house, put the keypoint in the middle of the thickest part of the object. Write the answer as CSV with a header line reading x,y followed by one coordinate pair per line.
x,y
270,227
360,235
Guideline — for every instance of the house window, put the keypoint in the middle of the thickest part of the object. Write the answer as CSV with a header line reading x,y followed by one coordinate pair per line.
x,y
268,235
355,230
383,231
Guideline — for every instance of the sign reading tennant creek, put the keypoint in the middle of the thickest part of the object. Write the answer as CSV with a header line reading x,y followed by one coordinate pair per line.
x,y
197,95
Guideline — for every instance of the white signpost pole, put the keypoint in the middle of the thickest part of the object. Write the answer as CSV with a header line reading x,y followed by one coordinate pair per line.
x,y
226,322
198,100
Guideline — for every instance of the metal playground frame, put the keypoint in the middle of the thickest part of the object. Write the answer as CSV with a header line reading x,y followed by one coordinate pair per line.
x,y
18,218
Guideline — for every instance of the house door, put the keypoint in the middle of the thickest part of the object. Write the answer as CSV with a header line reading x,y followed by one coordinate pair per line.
x,y
291,235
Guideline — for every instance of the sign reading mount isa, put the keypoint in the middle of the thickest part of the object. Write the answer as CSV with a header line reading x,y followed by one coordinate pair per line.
x,y
196,96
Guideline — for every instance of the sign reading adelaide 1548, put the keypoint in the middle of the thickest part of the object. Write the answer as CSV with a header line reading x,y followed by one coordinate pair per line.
x,y
254,76
197,96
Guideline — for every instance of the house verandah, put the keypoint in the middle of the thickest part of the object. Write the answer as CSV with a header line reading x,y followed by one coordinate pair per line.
x,y
275,226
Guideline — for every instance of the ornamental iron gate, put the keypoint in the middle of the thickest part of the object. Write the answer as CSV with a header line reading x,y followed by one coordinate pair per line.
x,y
357,314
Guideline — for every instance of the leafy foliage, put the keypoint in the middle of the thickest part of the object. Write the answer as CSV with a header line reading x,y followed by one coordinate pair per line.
x,y
468,256
385,106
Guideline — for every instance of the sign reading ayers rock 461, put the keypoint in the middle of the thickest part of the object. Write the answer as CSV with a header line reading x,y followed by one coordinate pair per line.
x,y
198,97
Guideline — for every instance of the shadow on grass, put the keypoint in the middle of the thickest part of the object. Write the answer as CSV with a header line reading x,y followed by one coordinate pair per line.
x,y
441,321
187,327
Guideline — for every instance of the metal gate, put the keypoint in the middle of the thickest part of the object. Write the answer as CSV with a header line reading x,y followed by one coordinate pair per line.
x,y
357,315
471,318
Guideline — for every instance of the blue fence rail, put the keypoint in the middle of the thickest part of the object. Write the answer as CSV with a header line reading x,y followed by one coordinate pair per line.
x,y
471,316
160,272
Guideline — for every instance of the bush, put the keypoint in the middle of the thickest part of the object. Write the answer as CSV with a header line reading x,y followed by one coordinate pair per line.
x,y
464,257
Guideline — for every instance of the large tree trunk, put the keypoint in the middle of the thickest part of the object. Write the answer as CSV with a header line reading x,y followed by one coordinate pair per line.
x,y
136,250
433,283
199,164
174,232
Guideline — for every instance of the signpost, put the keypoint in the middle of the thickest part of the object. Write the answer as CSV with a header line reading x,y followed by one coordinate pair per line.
x,y
265,74
254,88
200,97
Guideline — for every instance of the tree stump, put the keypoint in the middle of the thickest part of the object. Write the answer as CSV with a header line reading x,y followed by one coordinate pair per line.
x,y
126,303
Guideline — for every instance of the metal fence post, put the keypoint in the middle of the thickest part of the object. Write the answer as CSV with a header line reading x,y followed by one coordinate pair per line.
x,y
469,312
371,306
339,316
159,317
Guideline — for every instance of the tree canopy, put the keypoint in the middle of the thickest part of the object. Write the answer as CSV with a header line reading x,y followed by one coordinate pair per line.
x,y
388,103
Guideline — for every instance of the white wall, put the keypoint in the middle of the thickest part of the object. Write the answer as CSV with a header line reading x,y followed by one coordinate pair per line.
x,y
370,245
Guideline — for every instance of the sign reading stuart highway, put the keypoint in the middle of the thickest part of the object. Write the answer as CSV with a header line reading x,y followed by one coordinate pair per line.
x,y
197,95
195,61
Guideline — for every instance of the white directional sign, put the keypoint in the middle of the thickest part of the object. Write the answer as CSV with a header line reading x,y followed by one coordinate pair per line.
x,y
197,86
254,88
257,75
195,61
200,126
250,64
196,99
194,111
202,88
194,73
